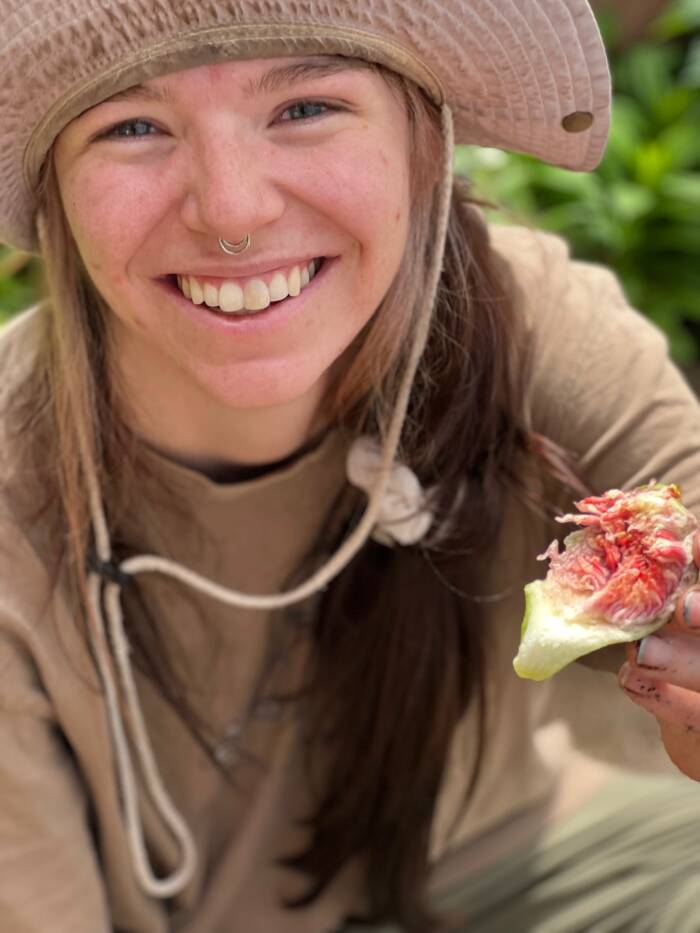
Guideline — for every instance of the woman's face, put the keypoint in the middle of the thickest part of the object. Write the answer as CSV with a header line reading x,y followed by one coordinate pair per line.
x,y
310,160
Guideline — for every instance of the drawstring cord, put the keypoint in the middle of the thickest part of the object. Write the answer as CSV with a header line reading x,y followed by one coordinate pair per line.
x,y
105,580
175,882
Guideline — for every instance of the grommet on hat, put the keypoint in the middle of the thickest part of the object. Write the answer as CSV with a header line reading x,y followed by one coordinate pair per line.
x,y
578,122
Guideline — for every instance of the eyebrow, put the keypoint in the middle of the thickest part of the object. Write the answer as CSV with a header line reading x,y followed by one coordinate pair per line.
x,y
296,72
269,82
152,95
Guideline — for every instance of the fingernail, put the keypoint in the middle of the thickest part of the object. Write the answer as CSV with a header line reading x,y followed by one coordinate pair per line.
x,y
624,674
654,652
691,609
633,683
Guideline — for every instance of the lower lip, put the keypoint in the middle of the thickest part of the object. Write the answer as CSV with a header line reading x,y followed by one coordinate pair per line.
x,y
273,318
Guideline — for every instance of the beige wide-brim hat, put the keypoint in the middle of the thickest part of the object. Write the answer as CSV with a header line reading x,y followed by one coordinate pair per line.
x,y
527,75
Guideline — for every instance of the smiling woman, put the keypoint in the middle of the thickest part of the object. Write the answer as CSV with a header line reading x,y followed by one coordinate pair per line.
x,y
279,450
225,148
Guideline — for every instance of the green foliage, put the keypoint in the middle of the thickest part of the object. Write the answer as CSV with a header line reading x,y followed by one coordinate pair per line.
x,y
19,282
639,213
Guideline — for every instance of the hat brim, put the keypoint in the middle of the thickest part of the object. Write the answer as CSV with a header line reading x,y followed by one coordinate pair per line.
x,y
525,75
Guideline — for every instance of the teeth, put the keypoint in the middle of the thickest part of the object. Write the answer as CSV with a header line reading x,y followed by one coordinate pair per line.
x,y
294,282
196,291
211,296
256,295
279,287
231,297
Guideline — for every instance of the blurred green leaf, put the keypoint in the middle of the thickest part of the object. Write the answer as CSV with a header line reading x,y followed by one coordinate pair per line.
x,y
685,188
681,141
646,71
690,73
681,18
630,202
19,281
651,163
671,105
626,133
14,296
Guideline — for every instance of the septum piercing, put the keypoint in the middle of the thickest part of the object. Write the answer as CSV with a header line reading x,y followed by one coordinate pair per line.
x,y
233,249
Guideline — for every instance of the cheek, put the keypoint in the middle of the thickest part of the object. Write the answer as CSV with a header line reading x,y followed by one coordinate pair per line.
x,y
108,215
365,189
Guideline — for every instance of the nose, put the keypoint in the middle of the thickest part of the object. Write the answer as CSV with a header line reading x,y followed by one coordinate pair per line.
x,y
231,189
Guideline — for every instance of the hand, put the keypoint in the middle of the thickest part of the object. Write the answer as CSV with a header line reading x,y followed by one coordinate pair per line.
x,y
662,674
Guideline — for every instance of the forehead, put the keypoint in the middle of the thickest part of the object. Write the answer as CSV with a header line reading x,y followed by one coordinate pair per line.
x,y
252,77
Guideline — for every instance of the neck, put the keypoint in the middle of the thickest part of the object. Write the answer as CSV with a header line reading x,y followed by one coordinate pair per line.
x,y
216,446
190,427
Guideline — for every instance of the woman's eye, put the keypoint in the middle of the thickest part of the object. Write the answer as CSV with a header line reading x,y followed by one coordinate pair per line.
x,y
305,110
129,129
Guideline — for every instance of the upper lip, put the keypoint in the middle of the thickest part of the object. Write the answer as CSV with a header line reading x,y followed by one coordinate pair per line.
x,y
234,271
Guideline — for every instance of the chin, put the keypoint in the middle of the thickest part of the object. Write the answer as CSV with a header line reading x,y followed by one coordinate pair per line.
x,y
269,387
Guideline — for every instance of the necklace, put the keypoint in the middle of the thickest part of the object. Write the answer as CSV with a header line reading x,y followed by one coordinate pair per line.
x,y
290,629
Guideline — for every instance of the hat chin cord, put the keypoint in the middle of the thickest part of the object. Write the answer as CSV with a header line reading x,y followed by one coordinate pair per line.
x,y
109,643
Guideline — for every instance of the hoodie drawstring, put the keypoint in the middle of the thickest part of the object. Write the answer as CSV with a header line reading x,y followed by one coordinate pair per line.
x,y
104,591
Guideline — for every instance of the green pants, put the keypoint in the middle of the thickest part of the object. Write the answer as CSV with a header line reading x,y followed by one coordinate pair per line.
x,y
627,862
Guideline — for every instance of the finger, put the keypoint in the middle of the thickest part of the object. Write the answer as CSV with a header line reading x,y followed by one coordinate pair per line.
x,y
667,702
696,548
670,656
687,612
683,748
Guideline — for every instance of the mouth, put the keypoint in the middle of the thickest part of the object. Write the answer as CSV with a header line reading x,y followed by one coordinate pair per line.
x,y
246,297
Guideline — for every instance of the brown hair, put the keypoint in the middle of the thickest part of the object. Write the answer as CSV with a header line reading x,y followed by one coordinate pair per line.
x,y
398,642
397,648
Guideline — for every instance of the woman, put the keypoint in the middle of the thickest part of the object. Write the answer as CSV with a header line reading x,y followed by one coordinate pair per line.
x,y
224,706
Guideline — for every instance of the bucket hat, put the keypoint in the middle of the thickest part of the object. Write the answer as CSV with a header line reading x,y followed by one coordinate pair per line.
x,y
528,75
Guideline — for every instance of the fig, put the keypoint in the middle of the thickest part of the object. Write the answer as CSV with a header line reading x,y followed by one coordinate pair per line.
x,y
617,579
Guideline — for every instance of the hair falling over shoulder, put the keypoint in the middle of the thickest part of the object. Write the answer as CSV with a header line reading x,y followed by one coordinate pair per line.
x,y
398,644
397,653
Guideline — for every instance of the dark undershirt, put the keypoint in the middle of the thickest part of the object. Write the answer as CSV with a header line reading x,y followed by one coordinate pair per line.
x,y
235,473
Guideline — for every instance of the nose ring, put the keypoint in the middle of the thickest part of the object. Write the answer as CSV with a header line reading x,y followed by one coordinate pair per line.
x,y
233,249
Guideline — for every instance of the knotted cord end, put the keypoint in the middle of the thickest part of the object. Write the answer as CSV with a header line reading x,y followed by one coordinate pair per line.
x,y
109,570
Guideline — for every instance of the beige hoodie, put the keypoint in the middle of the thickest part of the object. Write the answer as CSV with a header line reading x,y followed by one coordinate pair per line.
x,y
601,386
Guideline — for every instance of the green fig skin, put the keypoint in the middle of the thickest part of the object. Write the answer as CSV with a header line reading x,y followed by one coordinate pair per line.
x,y
640,546
548,643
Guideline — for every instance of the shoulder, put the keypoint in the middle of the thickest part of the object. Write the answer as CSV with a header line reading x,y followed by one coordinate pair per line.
x,y
599,379
20,340
582,331
20,343
532,254
553,287
25,590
